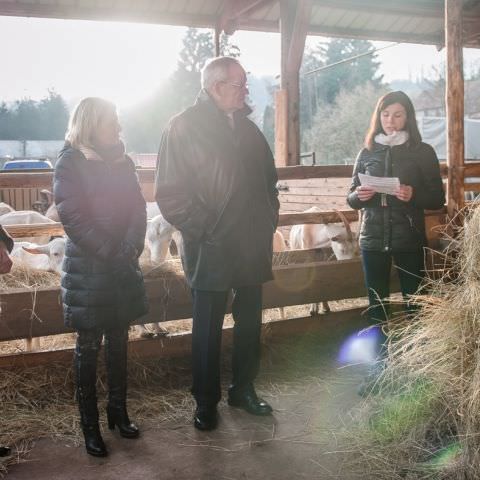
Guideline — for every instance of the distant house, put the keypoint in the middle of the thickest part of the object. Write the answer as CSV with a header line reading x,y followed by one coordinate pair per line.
x,y
430,102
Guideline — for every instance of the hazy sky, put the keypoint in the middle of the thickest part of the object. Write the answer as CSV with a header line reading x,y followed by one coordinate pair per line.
x,y
125,62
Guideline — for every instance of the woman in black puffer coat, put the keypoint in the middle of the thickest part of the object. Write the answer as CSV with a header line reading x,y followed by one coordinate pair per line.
x,y
393,226
102,209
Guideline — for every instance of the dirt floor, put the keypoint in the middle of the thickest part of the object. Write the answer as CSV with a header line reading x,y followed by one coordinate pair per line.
x,y
312,395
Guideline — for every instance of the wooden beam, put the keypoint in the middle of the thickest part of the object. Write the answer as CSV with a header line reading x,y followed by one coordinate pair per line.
x,y
281,128
294,21
146,176
38,312
455,106
315,217
107,14
35,230
232,10
179,344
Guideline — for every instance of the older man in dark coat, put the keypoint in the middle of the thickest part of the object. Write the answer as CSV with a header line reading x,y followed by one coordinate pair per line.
x,y
6,245
216,183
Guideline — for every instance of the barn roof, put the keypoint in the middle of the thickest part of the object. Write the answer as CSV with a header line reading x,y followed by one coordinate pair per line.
x,y
414,21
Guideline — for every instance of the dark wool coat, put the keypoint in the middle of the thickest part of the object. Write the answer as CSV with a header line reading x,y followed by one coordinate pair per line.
x,y
6,239
103,212
217,186
397,226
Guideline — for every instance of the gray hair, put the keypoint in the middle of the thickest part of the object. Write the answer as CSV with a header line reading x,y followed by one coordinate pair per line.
x,y
216,70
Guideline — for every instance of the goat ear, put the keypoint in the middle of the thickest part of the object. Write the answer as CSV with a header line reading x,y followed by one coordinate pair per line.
x,y
35,251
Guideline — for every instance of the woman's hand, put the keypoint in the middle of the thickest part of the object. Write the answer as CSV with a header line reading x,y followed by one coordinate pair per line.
x,y
5,260
365,193
404,193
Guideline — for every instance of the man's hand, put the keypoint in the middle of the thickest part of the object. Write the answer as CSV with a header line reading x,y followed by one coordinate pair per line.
x,y
365,193
404,193
5,260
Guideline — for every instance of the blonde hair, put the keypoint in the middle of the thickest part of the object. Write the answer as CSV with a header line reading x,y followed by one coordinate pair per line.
x,y
85,120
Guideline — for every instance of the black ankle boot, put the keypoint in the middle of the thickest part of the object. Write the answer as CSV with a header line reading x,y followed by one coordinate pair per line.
x,y
93,441
119,417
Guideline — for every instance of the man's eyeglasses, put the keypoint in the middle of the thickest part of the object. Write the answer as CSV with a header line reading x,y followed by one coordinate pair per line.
x,y
238,85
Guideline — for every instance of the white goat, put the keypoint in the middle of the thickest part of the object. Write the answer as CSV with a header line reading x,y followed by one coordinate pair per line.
x,y
5,208
47,257
337,236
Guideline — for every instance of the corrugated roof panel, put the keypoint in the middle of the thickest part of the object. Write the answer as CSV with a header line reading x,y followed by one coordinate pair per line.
x,y
211,7
361,21
346,19
416,25
178,6
433,25
105,3
160,6
319,14
398,24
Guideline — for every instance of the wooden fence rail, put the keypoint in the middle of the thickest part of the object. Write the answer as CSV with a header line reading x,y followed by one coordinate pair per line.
x,y
285,219
43,179
38,312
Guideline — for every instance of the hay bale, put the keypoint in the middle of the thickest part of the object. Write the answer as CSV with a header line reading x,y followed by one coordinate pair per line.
x,y
424,421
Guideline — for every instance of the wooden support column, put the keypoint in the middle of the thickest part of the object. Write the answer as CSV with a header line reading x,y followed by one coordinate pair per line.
x,y
455,105
294,21
217,41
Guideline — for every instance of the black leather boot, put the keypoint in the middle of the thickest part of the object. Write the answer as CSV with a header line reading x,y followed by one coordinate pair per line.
x,y
5,451
85,363
116,362
119,417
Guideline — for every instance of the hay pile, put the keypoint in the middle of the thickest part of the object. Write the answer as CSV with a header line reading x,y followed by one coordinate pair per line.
x,y
22,276
40,402
424,420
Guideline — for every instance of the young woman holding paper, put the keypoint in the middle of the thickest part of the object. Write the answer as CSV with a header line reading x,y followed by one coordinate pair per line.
x,y
393,225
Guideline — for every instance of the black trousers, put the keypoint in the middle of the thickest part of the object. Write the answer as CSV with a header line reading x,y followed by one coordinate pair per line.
x,y
377,267
208,314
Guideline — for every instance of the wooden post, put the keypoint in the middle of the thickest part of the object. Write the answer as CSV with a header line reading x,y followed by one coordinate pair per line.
x,y
455,106
281,128
217,41
294,20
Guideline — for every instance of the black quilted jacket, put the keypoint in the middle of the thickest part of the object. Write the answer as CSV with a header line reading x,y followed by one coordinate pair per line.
x,y
103,212
389,224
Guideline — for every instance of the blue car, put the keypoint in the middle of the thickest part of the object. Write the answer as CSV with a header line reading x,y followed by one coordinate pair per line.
x,y
26,164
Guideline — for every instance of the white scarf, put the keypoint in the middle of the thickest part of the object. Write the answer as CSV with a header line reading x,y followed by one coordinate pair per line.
x,y
396,138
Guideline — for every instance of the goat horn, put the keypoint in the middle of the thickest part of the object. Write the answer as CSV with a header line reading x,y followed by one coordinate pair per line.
x,y
346,223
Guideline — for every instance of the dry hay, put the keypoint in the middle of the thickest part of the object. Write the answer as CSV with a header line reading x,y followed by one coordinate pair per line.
x,y
40,402
422,419
22,276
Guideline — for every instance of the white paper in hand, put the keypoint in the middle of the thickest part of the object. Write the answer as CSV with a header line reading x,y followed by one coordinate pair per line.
x,y
388,185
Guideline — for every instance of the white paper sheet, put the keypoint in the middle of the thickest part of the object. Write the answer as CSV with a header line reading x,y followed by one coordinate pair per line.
x,y
387,185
